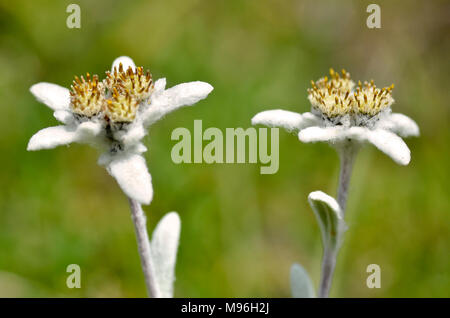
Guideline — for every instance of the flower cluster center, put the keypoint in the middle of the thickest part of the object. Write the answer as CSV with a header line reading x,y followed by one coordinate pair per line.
x,y
116,99
337,96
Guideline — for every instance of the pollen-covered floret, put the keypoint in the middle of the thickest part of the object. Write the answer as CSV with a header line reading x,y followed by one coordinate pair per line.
x,y
332,96
337,97
116,99
121,108
370,100
341,82
131,82
87,97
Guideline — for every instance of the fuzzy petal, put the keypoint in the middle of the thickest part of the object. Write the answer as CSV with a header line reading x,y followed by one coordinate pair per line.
x,y
137,148
132,175
164,246
52,137
64,116
88,131
315,134
160,85
126,63
384,140
332,134
399,124
185,94
290,121
390,144
133,135
54,96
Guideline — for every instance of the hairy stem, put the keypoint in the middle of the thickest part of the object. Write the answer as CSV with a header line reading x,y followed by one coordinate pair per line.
x,y
328,265
143,242
347,156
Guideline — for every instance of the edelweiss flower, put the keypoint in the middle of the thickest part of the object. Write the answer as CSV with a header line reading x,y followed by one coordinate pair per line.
x,y
341,113
114,115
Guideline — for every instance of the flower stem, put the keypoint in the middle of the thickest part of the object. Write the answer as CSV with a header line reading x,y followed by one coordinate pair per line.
x,y
328,265
143,242
347,156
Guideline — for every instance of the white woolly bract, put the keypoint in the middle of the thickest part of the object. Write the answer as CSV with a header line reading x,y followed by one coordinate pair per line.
x,y
399,124
131,173
164,102
290,121
54,96
52,137
384,140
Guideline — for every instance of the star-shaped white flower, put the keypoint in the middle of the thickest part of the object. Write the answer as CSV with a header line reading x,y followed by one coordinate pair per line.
x,y
114,115
341,113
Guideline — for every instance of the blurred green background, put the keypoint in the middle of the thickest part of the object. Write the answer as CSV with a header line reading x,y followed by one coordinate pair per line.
x,y
241,231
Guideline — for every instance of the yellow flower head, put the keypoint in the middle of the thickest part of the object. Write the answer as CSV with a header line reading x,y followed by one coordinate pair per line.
x,y
370,100
87,96
121,107
135,83
336,96
117,98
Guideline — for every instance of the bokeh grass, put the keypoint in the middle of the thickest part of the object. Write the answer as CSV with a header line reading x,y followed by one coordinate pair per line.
x,y
241,231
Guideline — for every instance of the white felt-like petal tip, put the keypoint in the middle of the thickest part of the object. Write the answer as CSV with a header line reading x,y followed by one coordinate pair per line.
x,y
133,177
32,144
160,84
188,93
405,159
54,96
143,197
34,89
203,88
126,63
277,118
260,118
51,137
412,128
288,120
391,144
399,124
209,88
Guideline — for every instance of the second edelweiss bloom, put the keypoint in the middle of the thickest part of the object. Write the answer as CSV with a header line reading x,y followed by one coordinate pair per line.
x,y
342,111
114,115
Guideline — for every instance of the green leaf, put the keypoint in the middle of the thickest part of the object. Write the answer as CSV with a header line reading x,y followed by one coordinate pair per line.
x,y
329,216
301,284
